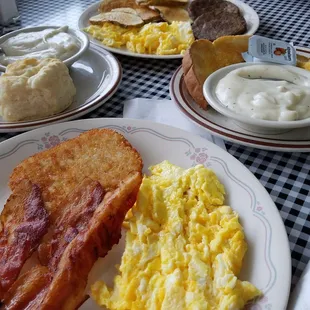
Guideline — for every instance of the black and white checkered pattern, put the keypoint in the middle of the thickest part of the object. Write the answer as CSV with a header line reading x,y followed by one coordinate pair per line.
x,y
286,176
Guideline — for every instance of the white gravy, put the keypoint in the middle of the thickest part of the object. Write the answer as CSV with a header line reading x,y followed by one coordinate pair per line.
x,y
268,92
48,43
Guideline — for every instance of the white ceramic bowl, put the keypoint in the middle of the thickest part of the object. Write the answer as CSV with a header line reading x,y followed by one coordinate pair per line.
x,y
252,124
82,37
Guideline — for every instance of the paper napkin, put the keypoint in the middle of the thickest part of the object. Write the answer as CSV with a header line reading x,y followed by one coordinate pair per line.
x,y
165,112
300,298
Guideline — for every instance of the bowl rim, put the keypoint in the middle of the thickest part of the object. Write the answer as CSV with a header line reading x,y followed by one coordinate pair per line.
x,y
82,37
215,103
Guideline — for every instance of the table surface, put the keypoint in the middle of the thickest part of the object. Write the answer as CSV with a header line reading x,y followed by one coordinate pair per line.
x,y
286,176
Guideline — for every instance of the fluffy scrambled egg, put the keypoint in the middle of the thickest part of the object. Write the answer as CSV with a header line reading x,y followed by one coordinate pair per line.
x,y
153,38
184,248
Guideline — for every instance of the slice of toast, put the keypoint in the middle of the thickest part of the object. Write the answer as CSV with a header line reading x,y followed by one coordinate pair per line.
x,y
125,10
109,5
204,57
163,2
171,14
145,13
100,154
121,18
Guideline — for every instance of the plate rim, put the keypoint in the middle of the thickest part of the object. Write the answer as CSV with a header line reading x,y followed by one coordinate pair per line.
x,y
85,108
162,128
94,6
210,127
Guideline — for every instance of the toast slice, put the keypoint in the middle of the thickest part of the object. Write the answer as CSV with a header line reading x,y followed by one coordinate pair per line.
x,y
100,154
146,14
121,18
163,2
109,5
204,57
171,14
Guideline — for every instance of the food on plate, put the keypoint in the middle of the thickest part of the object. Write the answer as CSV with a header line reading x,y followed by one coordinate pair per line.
x,y
121,18
25,289
100,154
163,2
199,7
204,57
88,184
156,27
261,92
47,43
23,223
153,38
85,240
184,248
171,14
215,18
146,13
35,88
211,28
76,211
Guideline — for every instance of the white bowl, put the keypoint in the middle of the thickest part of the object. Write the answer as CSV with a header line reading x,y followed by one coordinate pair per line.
x,y
82,37
253,124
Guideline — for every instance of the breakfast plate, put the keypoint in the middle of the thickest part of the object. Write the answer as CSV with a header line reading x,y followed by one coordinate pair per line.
x,y
96,76
296,140
249,14
267,263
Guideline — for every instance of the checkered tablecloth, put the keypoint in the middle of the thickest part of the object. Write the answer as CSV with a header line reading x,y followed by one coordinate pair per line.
x,y
286,176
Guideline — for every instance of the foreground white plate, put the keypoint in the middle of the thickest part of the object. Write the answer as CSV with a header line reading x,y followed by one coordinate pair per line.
x,y
267,263
296,140
96,76
249,14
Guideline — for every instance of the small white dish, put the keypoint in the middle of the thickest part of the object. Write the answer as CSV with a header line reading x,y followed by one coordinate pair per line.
x,y
250,16
252,124
96,76
81,36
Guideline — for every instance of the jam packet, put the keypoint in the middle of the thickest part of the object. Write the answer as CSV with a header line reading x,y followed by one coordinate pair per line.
x,y
263,49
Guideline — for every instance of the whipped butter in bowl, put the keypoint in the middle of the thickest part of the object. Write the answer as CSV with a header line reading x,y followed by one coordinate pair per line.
x,y
41,42
261,94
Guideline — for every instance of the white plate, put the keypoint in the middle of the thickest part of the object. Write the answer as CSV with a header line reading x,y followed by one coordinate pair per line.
x,y
267,263
96,76
296,140
249,14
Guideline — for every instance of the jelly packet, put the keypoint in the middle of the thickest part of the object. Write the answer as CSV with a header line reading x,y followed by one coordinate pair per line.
x,y
263,49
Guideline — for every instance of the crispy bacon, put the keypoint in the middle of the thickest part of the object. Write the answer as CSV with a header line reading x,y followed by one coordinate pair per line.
x,y
75,214
67,289
24,221
69,260
28,290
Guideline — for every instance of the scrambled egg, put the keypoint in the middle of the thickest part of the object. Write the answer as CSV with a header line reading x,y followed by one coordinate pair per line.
x,y
184,248
153,38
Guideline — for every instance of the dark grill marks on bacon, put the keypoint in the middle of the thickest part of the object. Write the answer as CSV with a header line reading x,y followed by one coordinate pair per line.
x,y
76,212
24,221
61,284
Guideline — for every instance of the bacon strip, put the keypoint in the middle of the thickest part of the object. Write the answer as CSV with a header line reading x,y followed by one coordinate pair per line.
x,y
67,289
76,212
24,221
70,260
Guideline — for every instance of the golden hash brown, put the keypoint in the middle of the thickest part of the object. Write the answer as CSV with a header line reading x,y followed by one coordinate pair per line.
x,y
100,154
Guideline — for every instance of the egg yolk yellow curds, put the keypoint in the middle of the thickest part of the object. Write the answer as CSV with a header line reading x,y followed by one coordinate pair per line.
x,y
184,248
153,38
